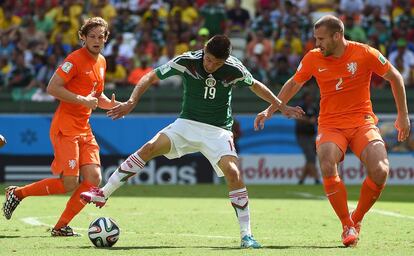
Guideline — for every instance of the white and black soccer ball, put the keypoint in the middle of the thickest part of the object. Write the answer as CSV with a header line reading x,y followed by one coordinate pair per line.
x,y
103,232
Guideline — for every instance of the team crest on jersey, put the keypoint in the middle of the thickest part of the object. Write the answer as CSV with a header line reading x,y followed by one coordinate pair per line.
x,y
352,67
66,67
210,81
72,164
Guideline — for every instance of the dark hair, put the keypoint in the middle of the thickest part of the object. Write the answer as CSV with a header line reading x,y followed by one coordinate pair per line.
x,y
91,23
332,23
219,46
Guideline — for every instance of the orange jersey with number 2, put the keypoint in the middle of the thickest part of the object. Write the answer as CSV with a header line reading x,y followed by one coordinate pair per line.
x,y
344,84
83,75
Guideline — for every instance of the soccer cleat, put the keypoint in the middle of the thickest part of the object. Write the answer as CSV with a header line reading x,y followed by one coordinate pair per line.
x,y
349,236
64,231
248,241
94,195
357,225
11,202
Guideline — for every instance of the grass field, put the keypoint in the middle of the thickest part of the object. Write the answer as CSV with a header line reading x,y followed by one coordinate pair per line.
x,y
198,220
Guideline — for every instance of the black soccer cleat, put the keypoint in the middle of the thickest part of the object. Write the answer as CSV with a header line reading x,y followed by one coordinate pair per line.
x,y
11,202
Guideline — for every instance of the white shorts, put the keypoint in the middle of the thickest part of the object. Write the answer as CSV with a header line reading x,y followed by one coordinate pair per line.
x,y
189,136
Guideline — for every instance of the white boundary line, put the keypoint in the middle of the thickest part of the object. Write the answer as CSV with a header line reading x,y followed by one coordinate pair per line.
x,y
382,212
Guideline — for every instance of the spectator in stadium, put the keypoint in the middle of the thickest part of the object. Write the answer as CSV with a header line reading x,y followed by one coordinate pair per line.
x,y
75,147
305,131
204,125
213,17
238,18
343,70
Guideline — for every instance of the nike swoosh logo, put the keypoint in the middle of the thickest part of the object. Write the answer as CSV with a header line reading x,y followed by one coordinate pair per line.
x,y
322,69
331,194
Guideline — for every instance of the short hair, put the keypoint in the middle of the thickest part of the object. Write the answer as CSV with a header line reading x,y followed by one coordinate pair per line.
x,y
332,23
219,46
91,23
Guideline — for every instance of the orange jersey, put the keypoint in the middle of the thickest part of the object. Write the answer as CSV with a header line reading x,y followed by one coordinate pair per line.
x,y
82,74
344,84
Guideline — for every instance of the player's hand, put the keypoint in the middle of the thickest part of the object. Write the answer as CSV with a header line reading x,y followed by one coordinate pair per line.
x,y
114,103
120,110
261,118
90,101
292,112
403,127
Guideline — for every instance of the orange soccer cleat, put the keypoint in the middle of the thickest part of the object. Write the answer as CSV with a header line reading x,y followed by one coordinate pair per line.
x,y
349,236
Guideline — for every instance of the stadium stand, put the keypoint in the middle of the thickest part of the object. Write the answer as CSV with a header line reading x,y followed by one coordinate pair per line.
x,y
270,36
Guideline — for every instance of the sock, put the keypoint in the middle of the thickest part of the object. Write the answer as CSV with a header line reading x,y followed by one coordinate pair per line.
x,y
370,192
50,186
336,193
240,202
74,205
128,168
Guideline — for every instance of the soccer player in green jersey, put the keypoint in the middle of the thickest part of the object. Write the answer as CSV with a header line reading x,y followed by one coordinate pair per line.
x,y
204,124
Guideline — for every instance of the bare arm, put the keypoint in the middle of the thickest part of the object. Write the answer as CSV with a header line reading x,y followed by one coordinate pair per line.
x,y
140,88
289,89
275,104
264,93
57,89
106,103
398,90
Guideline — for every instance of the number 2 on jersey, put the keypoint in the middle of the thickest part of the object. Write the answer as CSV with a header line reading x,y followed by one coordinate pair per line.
x,y
338,85
209,92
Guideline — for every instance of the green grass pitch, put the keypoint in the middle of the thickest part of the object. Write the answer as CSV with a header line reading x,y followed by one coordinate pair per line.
x,y
198,220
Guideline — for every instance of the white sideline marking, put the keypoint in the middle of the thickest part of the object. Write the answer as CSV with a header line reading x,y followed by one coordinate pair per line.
x,y
34,221
382,212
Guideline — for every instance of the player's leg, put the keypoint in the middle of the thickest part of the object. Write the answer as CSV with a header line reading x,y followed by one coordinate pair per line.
x,y
331,146
239,198
370,148
329,156
88,168
90,177
159,145
66,152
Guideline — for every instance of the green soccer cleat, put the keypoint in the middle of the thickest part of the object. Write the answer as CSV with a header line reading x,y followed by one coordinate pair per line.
x,y
248,241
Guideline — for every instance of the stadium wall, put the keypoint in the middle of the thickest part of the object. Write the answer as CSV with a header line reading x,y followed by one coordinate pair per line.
x,y
270,156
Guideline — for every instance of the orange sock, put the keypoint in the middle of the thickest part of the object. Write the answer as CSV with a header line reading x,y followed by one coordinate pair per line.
x,y
74,205
370,192
50,186
336,192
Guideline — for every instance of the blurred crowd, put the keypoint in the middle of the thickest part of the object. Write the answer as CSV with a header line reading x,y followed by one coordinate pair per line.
x,y
269,36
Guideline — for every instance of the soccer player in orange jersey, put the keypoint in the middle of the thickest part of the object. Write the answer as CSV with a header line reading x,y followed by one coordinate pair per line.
x,y
343,71
78,84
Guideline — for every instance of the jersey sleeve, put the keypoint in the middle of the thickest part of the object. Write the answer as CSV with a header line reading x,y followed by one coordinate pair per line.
x,y
67,70
173,67
377,62
243,77
304,70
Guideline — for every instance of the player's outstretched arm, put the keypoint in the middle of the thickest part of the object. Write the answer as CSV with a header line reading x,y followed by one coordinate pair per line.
x,y
106,103
57,89
141,87
275,104
289,89
398,90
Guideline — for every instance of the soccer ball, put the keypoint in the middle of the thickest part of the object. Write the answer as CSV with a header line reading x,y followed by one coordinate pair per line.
x,y
103,232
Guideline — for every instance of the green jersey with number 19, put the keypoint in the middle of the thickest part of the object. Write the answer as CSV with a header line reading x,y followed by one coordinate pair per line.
x,y
207,97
